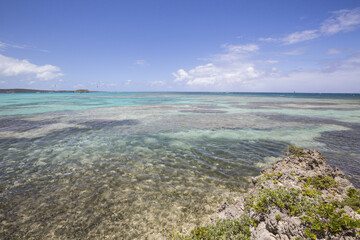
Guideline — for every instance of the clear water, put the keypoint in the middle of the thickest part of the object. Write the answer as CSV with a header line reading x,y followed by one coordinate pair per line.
x,y
141,165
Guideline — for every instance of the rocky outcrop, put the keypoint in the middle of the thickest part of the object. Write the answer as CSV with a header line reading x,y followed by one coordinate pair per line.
x,y
299,197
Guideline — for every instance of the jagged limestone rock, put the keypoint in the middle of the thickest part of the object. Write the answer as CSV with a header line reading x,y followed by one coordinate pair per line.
x,y
291,173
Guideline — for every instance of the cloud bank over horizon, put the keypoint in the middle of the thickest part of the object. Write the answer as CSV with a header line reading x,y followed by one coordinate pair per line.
x,y
239,68
12,67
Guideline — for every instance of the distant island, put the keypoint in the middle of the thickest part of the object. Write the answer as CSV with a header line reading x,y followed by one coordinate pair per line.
x,y
20,90
82,91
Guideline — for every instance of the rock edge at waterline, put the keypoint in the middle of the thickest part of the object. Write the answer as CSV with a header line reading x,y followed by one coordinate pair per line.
x,y
299,197
295,173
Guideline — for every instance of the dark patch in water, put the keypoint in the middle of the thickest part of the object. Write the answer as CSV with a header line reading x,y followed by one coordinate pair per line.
x,y
250,107
347,163
20,125
308,120
347,140
341,146
208,106
106,123
202,111
297,105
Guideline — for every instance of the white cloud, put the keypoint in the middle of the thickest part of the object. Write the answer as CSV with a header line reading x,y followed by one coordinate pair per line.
x,y
313,81
241,48
339,76
10,67
232,67
1,82
352,61
128,82
269,39
237,69
294,52
334,51
234,53
79,85
271,61
245,74
6,45
31,82
180,75
100,84
2,45
141,62
342,20
300,36
157,83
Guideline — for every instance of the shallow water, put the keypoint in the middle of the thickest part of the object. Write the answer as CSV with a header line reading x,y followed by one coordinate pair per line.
x,y
141,165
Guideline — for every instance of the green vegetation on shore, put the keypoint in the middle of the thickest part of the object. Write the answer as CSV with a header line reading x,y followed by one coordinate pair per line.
x,y
222,229
321,218
293,150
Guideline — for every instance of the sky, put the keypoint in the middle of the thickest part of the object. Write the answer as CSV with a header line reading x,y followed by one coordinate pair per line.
x,y
189,45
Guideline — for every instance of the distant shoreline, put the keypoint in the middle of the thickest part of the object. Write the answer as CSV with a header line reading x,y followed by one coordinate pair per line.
x,y
21,90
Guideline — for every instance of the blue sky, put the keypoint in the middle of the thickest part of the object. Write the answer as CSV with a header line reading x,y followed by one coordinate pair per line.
x,y
169,45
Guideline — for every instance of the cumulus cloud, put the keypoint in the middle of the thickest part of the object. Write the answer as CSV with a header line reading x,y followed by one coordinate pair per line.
x,y
342,20
238,67
231,67
210,74
10,67
180,75
246,74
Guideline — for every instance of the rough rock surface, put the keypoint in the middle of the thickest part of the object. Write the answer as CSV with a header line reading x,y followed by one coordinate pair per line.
x,y
287,173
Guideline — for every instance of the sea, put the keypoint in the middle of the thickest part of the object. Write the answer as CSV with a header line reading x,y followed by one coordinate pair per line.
x,y
145,165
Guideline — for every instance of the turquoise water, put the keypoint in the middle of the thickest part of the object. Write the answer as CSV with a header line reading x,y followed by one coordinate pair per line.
x,y
141,165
